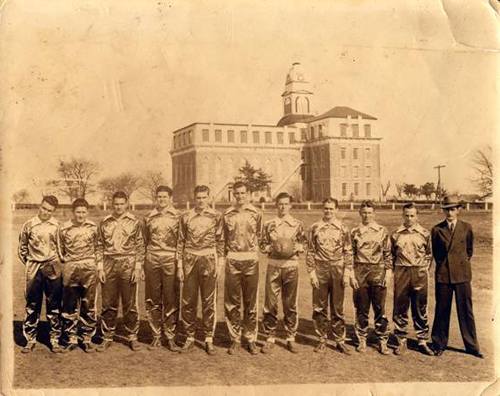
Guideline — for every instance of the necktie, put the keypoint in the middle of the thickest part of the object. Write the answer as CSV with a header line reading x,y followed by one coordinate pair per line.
x,y
452,226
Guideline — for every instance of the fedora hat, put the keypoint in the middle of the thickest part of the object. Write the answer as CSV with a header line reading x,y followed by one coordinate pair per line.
x,y
451,201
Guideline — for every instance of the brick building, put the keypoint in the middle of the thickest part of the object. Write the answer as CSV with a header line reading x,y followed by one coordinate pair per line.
x,y
311,156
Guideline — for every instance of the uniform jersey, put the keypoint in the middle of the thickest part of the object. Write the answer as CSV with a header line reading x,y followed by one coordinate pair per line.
x,y
411,246
78,241
161,229
242,230
282,227
38,240
371,245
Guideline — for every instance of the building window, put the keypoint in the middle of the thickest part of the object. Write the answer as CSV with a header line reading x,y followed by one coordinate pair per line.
x,y
343,171
344,189
356,171
205,135
291,137
368,171
368,189
312,133
218,135
320,131
243,137
355,153
303,134
368,130
342,153
279,137
356,189
343,130
230,136
268,138
355,130
256,137
367,153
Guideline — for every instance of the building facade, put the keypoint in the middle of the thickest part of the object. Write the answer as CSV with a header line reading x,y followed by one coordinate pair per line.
x,y
336,153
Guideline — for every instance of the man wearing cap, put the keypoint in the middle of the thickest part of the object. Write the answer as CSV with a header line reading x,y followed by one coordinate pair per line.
x,y
39,251
242,231
161,228
283,238
78,238
122,245
200,256
329,263
452,248
411,252
371,248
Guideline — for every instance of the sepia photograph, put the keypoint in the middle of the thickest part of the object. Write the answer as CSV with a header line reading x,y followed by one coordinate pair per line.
x,y
238,197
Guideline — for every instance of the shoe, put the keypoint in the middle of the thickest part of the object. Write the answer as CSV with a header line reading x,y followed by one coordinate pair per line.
x,y
209,348
343,349
382,348
476,354
292,347
89,347
267,347
252,348
69,348
424,348
233,348
187,347
321,347
28,348
135,345
172,346
155,344
361,348
56,348
104,346
402,347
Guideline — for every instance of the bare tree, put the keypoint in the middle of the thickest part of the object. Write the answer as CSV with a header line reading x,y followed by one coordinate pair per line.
x,y
385,189
150,181
126,182
21,196
483,169
76,176
400,189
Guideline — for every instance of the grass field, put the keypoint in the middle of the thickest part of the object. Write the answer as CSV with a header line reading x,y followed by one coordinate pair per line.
x,y
122,367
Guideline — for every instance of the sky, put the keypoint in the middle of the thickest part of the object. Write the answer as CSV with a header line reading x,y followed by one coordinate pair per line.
x,y
110,80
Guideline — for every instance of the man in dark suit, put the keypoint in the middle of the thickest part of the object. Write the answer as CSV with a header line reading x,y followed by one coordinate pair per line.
x,y
452,246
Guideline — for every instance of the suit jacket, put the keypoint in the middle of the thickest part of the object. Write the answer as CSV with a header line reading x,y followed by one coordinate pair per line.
x,y
452,253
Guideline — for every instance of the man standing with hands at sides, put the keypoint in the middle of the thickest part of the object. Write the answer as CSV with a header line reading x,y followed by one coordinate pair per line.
x,y
283,238
122,245
329,263
200,256
373,272
452,248
161,229
39,251
242,231
79,252
412,257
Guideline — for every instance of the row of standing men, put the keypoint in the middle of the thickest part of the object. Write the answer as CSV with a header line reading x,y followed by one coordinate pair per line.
x,y
181,256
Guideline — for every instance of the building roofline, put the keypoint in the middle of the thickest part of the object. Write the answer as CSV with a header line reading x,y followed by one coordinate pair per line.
x,y
235,124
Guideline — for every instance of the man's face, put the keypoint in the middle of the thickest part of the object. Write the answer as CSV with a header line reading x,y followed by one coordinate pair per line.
x,y
45,211
119,206
451,213
329,210
367,215
240,195
201,199
283,206
163,199
410,217
80,214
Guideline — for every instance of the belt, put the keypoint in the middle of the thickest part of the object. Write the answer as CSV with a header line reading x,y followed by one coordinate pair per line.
x,y
201,252
282,263
242,255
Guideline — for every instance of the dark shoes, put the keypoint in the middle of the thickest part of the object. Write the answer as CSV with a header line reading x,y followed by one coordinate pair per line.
x,y
424,348
187,347
135,345
292,347
89,347
155,344
233,348
382,348
267,347
252,348
321,347
343,349
209,348
361,348
70,348
56,348
402,347
104,346
172,346
28,348
476,354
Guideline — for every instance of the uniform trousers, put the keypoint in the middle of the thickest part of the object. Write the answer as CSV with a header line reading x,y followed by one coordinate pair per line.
x,y
79,300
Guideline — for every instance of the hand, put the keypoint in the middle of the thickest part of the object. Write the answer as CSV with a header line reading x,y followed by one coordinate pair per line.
x,y
180,274
101,274
353,282
314,279
388,278
137,275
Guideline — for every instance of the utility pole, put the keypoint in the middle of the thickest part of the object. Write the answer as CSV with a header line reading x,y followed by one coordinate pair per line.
x,y
438,188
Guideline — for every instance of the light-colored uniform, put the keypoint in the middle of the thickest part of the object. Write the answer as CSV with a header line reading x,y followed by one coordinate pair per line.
x,y
372,257
40,253
412,255
122,246
200,242
78,250
282,276
330,255
242,231
161,229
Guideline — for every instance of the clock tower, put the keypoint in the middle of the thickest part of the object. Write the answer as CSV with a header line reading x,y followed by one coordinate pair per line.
x,y
297,94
